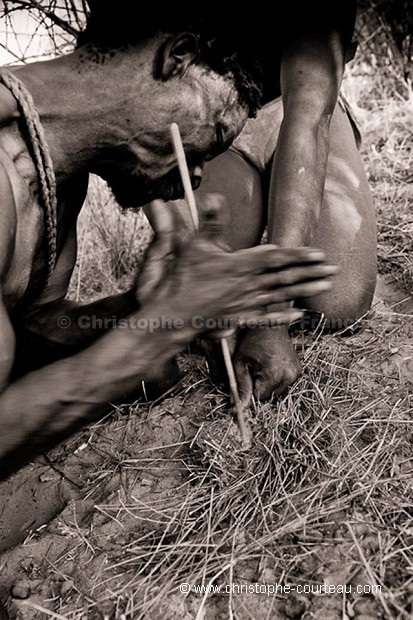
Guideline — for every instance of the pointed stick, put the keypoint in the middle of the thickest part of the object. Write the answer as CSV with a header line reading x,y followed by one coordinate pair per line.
x,y
184,172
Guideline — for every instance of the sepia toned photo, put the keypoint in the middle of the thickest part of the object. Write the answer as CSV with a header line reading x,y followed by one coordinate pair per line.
x,y
206,303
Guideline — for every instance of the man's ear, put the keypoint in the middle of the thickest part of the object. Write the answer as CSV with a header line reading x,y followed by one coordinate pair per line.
x,y
177,54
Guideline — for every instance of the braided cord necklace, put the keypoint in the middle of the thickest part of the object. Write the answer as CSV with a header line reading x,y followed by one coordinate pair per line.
x,y
42,161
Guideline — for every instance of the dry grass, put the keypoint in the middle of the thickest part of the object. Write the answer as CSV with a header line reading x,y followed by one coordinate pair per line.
x,y
387,127
111,245
323,497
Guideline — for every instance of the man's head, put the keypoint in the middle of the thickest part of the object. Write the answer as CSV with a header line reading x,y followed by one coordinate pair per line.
x,y
169,69
220,47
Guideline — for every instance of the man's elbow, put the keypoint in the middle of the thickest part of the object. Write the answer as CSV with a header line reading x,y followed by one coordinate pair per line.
x,y
311,106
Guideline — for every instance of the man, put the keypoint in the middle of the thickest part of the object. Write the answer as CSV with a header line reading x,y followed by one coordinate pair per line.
x,y
107,108
296,169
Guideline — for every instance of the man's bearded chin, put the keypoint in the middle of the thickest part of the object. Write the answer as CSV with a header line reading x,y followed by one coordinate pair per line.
x,y
133,191
130,191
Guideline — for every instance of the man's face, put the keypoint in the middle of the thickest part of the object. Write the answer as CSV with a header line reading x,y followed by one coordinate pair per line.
x,y
203,104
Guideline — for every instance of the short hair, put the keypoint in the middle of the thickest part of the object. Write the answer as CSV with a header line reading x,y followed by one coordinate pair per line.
x,y
221,49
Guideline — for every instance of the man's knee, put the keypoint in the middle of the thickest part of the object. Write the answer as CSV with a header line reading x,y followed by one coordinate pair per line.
x,y
241,185
340,308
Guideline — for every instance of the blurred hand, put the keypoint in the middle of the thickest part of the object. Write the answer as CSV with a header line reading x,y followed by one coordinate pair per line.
x,y
200,278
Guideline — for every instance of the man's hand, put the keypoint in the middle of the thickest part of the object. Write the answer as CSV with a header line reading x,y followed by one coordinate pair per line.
x,y
266,363
201,279
173,231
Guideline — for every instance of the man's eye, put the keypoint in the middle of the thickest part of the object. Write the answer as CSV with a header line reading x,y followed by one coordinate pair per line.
x,y
219,146
220,137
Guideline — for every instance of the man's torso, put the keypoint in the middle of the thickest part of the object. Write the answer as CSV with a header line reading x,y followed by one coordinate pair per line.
x,y
25,270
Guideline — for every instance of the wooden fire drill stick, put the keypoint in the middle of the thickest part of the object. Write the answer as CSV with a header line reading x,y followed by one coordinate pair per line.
x,y
190,199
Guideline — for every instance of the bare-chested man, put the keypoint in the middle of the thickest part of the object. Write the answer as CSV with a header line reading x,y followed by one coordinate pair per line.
x,y
106,109
297,169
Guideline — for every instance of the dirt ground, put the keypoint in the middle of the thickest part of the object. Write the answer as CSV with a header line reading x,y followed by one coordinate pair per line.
x,y
161,494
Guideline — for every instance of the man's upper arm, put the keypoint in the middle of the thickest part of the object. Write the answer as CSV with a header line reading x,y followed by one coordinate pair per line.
x,y
314,56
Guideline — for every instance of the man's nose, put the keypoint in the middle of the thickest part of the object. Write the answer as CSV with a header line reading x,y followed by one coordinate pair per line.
x,y
196,177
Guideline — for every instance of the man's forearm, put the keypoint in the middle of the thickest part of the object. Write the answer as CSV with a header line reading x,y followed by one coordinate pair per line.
x,y
311,72
64,328
297,183
76,326
48,401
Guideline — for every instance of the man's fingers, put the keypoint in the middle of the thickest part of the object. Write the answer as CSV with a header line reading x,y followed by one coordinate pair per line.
x,y
289,293
269,319
284,285
245,304
159,251
270,258
294,275
160,217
